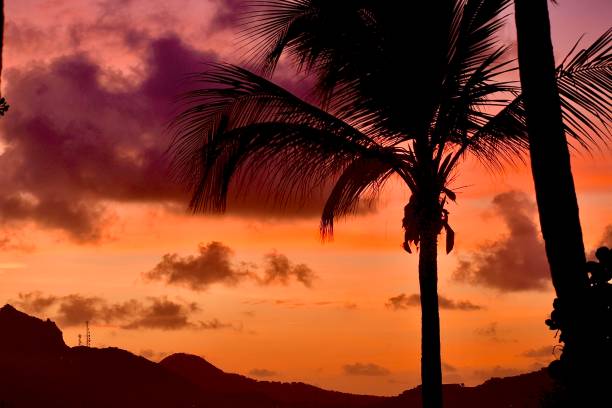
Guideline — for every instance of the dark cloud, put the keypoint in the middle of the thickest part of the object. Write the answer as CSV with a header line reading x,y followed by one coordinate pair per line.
x,y
515,262
73,141
213,264
492,332
489,330
278,269
74,310
541,352
215,324
35,302
163,314
83,222
153,313
365,369
262,372
227,14
403,301
449,368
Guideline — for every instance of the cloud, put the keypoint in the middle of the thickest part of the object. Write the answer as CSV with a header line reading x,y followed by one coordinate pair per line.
x,y
215,324
152,313
165,315
35,302
213,264
541,352
79,136
228,14
11,241
278,269
296,303
449,368
403,301
74,310
515,262
367,369
83,222
262,372
488,331
491,332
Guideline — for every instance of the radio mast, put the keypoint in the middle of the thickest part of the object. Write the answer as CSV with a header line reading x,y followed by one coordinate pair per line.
x,y
88,334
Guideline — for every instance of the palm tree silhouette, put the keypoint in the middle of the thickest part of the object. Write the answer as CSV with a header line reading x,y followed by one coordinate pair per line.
x,y
554,184
384,105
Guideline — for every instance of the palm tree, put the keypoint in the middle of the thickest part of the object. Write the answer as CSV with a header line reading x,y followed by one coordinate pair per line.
x,y
550,164
373,117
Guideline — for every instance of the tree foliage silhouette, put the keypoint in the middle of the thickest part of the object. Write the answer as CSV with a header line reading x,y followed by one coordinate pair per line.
x,y
401,90
580,373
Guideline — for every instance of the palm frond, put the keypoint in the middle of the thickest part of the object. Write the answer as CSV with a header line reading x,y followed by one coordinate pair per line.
x,y
364,175
246,128
358,51
584,79
503,139
474,33
474,85
308,30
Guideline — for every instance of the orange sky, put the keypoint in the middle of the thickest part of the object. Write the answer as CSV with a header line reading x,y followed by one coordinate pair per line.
x,y
314,334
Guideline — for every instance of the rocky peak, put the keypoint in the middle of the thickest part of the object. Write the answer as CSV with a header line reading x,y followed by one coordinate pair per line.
x,y
24,334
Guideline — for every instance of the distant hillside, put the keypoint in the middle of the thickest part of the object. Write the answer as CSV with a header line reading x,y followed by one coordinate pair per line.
x,y
296,395
37,369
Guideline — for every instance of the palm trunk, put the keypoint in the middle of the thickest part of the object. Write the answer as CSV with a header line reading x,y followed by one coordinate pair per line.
x,y
550,160
554,186
431,370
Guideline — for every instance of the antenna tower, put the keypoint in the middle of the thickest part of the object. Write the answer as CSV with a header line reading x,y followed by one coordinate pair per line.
x,y
80,342
88,334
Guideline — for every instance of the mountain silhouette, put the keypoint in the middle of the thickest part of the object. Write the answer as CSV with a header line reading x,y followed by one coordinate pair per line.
x,y
37,369
210,379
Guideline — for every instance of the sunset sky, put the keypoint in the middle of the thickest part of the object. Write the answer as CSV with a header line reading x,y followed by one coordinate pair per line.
x,y
92,228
